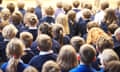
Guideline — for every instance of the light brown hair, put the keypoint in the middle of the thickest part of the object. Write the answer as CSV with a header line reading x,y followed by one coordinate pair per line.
x,y
30,69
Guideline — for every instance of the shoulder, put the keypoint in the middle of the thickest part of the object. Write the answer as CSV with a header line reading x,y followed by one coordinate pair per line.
x,y
3,67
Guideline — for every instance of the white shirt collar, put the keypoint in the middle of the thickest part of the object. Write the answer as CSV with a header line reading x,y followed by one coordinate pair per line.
x,y
32,27
45,52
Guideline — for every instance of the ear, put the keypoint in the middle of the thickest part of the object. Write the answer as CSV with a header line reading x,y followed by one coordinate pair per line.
x,y
94,59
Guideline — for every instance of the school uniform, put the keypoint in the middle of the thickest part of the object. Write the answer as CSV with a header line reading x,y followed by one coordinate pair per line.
x,y
104,26
83,68
59,11
73,28
22,11
117,13
55,47
48,19
38,12
76,10
1,37
20,67
28,55
83,26
38,60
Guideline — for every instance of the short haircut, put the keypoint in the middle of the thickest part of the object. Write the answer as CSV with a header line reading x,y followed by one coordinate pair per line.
x,y
117,33
49,10
51,66
31,9
86,13
104,43
59,4
87,6
113,66
67,58
27,38
112,28
76,3
92,24
44,42
72,15
87,53
104,5
45,28
9,31
109,55
30,69
77,42
67,7
11,7
20,4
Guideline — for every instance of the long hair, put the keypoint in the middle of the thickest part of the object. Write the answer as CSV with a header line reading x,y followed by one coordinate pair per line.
x,y
14,50
67,58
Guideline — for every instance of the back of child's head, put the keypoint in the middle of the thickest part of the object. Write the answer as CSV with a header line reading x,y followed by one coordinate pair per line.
x,y
59,4
1,1
112,28
62,19
51,66
20,4
9,31
57,31
118,3
76,3
110,16
87,6
30,9
45,28
5,14
32,20
11,7
30,69
71,15
44,42
27,38
16,18
94,34
117,34
113,66
108,55
77,42
67,58
14,50
49,10
104,5
67,7
86,13
92,24
104,43
87,54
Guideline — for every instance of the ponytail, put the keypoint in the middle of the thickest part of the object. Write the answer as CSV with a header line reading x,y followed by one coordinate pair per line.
x,y
12,65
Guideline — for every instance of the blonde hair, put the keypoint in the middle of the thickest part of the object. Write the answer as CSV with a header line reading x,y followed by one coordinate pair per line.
x,y
14,50
27,38
51,66
5,14
62,19
94,34
67,58
116,33
21,4
9,31
109,55
30,69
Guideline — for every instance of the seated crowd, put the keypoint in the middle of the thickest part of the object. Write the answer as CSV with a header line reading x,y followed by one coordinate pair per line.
x,y
68,38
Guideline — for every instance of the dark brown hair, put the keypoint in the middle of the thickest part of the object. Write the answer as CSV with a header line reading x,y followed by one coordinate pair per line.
x,y
112,28
104,5
11,7
76,3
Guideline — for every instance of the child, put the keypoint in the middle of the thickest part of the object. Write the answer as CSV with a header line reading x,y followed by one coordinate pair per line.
x,y
58,35
87,56
77,42
76,4
30,69
62,19
59,9
49,11
21,6
27,39
14,50
51,66
0,5
11,7
73,25
8,32
46,53
67,58
67,7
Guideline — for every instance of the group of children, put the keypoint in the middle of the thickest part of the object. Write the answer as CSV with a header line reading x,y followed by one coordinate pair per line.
x,y
72,38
